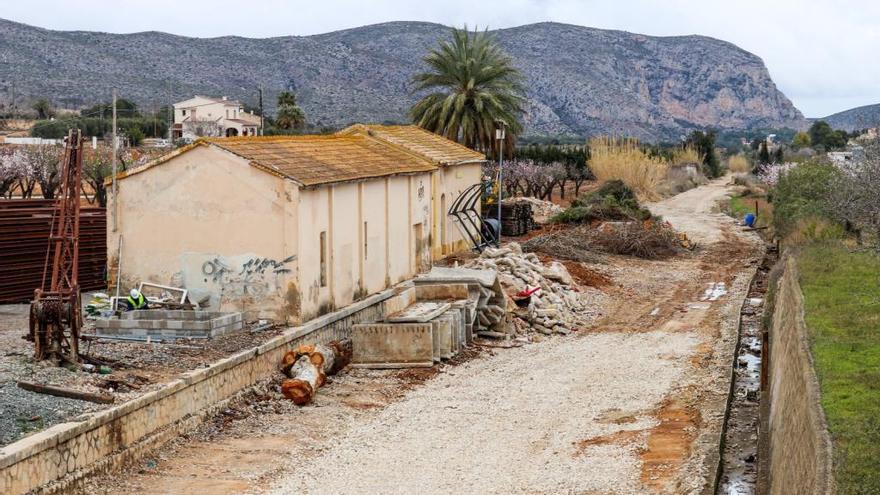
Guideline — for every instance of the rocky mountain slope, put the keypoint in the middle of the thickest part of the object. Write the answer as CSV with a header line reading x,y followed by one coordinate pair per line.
x,y
855,118
580,80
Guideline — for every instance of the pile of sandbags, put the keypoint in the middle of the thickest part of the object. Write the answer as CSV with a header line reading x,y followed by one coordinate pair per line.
x,y
556,306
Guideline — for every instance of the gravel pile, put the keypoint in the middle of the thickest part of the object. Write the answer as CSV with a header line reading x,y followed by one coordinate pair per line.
x,y
557,305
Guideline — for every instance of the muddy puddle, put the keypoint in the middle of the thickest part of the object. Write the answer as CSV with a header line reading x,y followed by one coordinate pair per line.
x,y
739,456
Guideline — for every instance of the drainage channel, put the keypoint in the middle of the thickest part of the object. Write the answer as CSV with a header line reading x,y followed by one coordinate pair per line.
x,y
739,454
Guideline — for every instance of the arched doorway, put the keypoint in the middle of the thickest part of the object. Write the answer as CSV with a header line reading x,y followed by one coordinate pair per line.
x,y
231,132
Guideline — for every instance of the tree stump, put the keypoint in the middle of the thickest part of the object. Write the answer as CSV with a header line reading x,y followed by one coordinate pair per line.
x,y
307,366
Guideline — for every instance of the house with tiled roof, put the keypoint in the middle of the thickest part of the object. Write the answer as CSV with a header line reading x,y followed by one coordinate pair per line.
x,y
458,167
205,116
281,227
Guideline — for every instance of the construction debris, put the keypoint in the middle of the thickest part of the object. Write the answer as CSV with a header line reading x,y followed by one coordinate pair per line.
x,y
554,304
308,366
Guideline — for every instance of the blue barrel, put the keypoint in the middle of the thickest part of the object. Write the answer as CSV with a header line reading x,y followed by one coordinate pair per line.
x,y
749,221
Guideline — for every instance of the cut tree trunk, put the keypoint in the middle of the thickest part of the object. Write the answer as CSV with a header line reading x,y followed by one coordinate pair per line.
x,y
308,367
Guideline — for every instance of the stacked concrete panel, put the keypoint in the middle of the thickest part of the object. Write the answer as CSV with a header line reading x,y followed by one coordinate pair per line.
x,y
443,329
392,345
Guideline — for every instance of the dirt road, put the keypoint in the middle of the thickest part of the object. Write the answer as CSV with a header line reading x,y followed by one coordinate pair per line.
x,y
632,405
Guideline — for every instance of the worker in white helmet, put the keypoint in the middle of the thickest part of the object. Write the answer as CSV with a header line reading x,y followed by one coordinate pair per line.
x,y
136,300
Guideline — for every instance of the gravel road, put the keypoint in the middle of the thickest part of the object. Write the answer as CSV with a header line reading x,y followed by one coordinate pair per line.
x,y
511,424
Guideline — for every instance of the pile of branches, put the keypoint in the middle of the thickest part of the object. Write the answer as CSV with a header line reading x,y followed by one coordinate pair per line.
x,y
648,240
561,244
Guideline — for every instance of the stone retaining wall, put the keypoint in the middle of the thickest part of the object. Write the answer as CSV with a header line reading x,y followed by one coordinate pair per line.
x,y
797,436
57,459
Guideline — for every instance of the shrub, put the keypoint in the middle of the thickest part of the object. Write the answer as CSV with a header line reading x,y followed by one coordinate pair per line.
x,y
804,192
686,155
623,159
614,200
739,164
813,229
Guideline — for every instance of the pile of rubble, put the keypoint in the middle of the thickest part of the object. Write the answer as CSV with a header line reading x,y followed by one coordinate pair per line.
x,y
545,297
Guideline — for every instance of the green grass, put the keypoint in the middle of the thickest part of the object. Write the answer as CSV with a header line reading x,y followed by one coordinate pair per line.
x,y
842,308
739,206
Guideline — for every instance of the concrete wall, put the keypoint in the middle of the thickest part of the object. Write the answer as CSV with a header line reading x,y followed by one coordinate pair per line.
x,y
799,444
391,207
448,183
208,221
60,458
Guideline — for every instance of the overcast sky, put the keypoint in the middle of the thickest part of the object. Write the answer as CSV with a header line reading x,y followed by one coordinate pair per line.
x,y
823,54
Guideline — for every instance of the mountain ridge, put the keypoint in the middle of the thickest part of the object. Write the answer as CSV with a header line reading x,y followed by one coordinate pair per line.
x,y
580,80
857,118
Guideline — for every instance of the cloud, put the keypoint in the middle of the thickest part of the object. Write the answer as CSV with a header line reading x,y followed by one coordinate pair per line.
x,y
821,54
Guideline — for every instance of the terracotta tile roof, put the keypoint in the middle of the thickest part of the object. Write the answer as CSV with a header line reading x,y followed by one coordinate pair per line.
x,y
313,160
432,146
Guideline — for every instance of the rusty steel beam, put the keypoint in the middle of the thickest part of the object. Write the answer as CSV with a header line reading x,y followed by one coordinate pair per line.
x,y
56,311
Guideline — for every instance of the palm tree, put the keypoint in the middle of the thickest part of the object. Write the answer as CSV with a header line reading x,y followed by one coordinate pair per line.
x,y
43,108
290,115
473,85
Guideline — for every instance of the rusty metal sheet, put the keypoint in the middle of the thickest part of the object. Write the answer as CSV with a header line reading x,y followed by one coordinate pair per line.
x,y
24,242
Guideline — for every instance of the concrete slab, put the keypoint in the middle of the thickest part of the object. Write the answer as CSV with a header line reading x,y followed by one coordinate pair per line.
x,y
392,345
439,274
441,292
419,312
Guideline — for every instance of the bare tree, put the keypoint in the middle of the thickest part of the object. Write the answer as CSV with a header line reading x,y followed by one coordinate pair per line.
x,y
857,194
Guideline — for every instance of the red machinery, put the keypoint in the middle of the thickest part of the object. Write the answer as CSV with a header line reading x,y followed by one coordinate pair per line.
x,y
56,315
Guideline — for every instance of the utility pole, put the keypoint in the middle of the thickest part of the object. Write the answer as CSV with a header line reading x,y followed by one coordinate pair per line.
x,y
170,117
500,135
13,100
261,110
113,154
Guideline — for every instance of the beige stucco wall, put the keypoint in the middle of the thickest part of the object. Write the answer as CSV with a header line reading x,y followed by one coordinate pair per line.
x,y
207,221
391,207
374,211
449,182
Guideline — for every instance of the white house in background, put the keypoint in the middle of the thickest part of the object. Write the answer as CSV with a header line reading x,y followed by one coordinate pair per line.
x,y
213,117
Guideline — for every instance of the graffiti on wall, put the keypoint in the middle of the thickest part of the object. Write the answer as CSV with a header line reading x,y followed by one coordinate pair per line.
x,y
230,278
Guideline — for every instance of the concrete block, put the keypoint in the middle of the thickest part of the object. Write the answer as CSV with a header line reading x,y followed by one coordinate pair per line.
x,y
435,339
444,330
392,345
